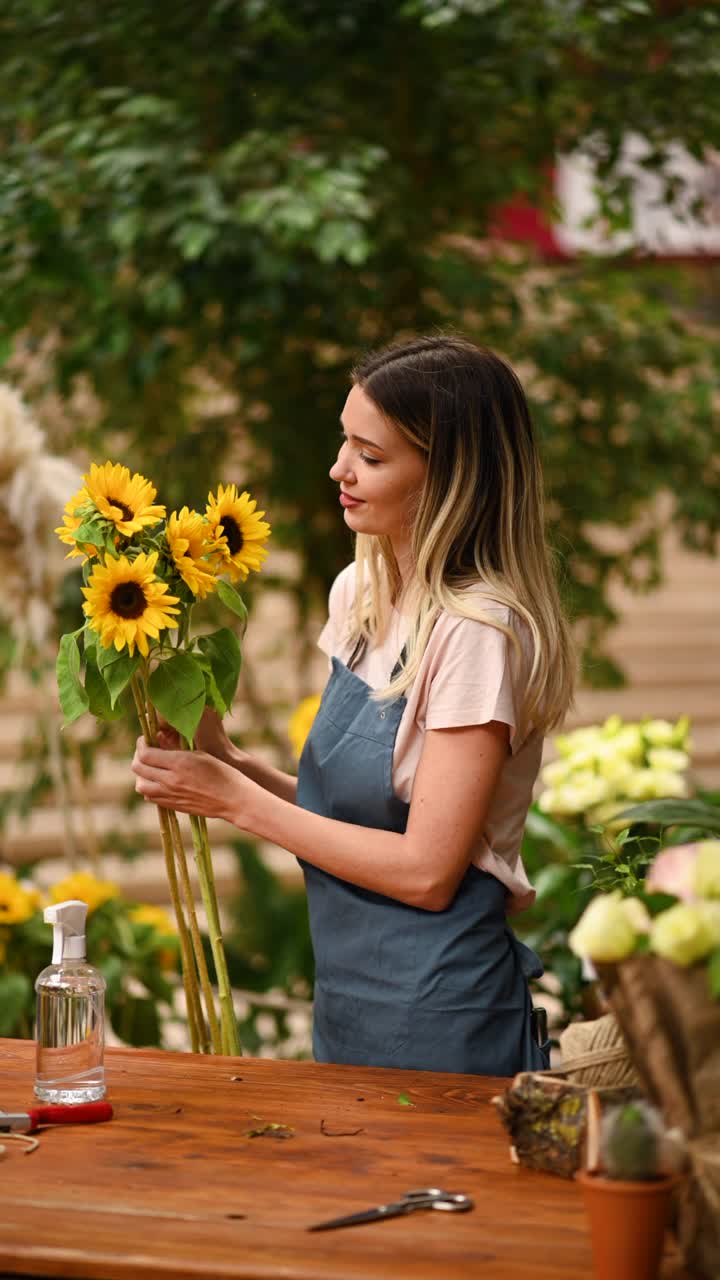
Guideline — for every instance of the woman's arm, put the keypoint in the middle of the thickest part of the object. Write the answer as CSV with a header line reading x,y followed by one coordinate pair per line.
x,y
212,738
454,785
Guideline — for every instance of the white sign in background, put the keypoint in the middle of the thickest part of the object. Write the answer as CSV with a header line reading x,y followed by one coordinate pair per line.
x,y
656,229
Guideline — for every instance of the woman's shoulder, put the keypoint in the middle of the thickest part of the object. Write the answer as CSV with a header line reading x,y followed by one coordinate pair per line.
x,y
342,591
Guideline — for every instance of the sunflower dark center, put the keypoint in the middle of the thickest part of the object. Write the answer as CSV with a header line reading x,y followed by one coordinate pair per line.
x,y
127,514
128,600
233,534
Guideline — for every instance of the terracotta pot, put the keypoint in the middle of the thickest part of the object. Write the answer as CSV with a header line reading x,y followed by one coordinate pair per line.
x,y
627,1224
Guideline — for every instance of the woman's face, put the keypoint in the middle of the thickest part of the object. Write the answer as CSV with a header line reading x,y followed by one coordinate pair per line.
x,y
380,473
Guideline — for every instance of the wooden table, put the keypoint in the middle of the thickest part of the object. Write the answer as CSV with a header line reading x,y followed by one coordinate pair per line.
x,y
174,1186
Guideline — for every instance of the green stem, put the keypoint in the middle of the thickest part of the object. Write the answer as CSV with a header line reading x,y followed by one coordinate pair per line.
x,y
181,859
230,1037
189,976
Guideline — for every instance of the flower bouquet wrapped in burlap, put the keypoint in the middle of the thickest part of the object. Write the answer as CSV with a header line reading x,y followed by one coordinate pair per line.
x,y
661,977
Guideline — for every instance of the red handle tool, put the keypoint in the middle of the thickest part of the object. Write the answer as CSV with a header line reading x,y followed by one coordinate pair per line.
x,y
28,1121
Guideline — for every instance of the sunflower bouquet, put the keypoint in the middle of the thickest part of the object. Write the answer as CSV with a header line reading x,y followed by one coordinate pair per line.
x,y
143,571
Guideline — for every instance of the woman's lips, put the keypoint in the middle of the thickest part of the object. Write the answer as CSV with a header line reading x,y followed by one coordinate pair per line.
x,y
347,501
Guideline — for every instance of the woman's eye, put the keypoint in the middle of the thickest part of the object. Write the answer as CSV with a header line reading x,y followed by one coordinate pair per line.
x,y
372,462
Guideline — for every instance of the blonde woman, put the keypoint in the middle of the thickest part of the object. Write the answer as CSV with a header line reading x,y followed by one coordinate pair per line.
x,y
450,659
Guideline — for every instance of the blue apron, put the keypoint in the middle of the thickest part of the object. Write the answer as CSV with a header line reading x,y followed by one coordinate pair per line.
x,y
396,985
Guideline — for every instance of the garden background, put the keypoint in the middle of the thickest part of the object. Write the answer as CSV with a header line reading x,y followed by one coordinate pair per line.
x,y
205,215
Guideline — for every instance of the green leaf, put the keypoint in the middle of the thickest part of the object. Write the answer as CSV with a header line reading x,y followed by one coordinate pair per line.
x,y
117,669
73,698
15,1000
232,599
177,688
404,1100
671,812
99,700
222,648
92,532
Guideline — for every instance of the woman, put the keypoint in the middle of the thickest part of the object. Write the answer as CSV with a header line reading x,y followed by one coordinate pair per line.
x,y
450,658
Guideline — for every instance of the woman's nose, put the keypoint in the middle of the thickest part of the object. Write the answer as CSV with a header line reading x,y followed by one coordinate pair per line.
x,y
341,468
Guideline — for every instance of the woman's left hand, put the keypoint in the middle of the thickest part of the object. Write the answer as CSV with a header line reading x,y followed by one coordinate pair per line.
x,y
188,781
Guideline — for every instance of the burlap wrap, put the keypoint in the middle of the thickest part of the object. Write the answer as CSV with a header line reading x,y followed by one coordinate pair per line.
x,y
672,1028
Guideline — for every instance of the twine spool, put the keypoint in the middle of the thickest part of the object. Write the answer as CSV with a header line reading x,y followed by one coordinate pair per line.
x,y
596,1055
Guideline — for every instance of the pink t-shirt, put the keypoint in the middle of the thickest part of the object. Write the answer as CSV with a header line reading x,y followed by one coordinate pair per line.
x,y
464,679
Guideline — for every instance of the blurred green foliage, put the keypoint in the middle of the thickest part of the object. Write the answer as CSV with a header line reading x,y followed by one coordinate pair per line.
x,y
214,207
251,193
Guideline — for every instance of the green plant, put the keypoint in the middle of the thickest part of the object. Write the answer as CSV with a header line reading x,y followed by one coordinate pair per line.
x,y
630,1142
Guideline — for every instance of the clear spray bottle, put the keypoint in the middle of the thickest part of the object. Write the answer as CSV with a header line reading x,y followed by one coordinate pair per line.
x,y
70,1014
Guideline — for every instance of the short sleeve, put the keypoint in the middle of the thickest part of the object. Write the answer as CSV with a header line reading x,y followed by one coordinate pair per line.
x,y
472,678
339,601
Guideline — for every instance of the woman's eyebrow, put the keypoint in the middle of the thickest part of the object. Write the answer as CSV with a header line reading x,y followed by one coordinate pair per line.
x,y
362,439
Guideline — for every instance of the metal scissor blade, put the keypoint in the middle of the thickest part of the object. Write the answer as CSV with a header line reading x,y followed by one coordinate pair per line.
x,y
367,1215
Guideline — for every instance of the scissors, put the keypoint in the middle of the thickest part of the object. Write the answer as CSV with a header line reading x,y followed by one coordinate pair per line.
x,y
429,1198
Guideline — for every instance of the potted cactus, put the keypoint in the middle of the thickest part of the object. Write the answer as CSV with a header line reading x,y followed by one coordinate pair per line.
x,y
628,1201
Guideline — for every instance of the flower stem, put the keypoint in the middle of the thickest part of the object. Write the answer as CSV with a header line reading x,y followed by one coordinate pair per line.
x,y
181,859
192,995
230,1037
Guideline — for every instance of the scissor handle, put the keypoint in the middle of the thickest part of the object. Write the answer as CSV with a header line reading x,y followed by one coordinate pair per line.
x,y
436,1198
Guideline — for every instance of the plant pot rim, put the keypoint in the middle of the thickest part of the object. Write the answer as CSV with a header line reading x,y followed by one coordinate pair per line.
x,y
600,1182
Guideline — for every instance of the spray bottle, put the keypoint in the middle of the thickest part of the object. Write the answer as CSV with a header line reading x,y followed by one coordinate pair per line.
x,y
70,1014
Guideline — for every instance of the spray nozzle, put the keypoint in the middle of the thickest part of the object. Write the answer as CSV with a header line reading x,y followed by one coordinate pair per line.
x,y
68,921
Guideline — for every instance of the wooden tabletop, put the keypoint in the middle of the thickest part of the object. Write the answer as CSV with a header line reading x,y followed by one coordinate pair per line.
x,y
175,1186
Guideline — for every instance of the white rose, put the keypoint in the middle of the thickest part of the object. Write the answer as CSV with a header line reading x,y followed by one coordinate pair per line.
x,y
605,931
681,934
637,913
710,912
556,771
706,872
668,758
629,742
656,784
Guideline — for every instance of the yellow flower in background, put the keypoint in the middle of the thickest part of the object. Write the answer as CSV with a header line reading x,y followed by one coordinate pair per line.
x,y
17,901
300,722
191,541
128,501
125,602
163,924
240,532
682,934
86,887
706,871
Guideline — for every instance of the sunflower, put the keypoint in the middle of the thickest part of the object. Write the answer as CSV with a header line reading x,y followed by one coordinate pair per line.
x,y
240,530
71,523
164,927
124,499
301,722
191,542
86,887
125,602
17,902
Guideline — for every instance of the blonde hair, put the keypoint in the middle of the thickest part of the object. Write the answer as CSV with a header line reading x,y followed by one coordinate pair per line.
x,y
479,521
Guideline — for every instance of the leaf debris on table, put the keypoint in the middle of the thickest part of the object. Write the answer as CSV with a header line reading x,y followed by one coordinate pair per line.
x,y
338,1133
271,1129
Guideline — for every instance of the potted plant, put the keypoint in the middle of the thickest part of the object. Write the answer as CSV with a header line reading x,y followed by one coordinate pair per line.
x,y
628,1201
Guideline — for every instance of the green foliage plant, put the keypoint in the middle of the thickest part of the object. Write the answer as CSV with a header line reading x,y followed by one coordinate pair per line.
x,y
198,202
